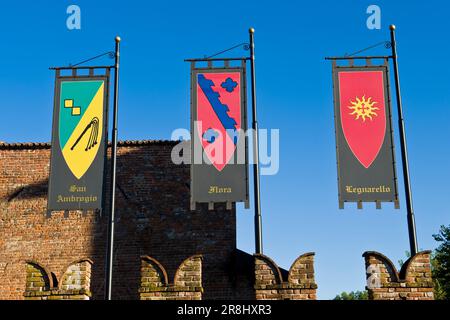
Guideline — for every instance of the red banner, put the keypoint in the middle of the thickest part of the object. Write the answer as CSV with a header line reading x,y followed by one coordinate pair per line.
x,y
364,136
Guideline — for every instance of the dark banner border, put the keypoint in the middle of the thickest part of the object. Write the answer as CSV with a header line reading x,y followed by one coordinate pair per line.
x,y
244,125
55,147
389,129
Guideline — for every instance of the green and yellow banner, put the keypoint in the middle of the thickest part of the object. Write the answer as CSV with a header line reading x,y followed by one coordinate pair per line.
x,y
79,143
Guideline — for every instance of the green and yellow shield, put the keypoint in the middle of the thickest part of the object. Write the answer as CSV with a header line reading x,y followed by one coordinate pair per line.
x,y
80,123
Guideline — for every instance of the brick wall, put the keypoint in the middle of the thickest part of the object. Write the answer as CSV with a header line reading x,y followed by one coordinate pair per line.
x,y
413,282
153,217
186,285
75,283
271,283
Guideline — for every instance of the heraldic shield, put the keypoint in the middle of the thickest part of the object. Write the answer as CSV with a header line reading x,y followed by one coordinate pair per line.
x,y
363,113
80,123
219,115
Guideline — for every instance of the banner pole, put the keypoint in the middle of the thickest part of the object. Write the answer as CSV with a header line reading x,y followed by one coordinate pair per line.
x,y
401,125
258,227
110,252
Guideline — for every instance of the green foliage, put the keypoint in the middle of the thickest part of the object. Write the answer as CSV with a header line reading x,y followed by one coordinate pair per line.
x,y
353,295
440,264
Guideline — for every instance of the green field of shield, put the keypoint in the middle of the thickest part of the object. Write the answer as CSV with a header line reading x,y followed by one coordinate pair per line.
x,y
80,123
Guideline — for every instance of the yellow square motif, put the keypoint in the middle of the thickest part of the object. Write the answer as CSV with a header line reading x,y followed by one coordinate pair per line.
x,y
68,103
76,111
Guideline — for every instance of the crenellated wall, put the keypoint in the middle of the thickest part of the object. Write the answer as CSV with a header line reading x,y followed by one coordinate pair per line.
x,y
187,283
153,217
273,284
413,282
74,284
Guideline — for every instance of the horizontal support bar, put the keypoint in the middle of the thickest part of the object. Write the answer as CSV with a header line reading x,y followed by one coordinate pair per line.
x,y
358,58
84,67
217,59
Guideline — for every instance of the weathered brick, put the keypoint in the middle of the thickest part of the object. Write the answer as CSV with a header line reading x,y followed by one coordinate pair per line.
x,y
153,212
413,282
300,274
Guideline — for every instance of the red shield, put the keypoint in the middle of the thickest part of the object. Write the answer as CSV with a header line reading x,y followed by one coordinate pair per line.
x,y
219,115
363,113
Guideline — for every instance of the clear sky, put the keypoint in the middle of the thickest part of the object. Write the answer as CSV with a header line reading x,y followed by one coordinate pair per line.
x,y
299,204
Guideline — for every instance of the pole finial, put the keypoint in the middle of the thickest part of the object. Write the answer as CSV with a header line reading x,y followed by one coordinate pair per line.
x,y
251,30
392,27
118,39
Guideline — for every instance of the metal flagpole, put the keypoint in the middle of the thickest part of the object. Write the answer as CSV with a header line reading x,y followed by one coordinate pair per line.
x,y
258,227
401,125
109,263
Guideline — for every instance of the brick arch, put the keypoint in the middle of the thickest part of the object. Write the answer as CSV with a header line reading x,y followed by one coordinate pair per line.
x,y
390,267
303,265
187,283
34,271
88,260
414,264
158,268
276,273
273,283
414,281
81,279
187,265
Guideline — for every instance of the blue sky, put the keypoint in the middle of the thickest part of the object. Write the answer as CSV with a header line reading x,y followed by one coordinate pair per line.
x,y
299,204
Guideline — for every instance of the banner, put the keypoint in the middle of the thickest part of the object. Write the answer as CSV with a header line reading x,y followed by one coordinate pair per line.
x,y
364,136
79,142
218,142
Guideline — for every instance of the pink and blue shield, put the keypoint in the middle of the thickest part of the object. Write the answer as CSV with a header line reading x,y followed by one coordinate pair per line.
x,y
219,115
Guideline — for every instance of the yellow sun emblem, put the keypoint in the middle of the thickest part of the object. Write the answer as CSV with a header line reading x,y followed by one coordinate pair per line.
x,y
363,108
